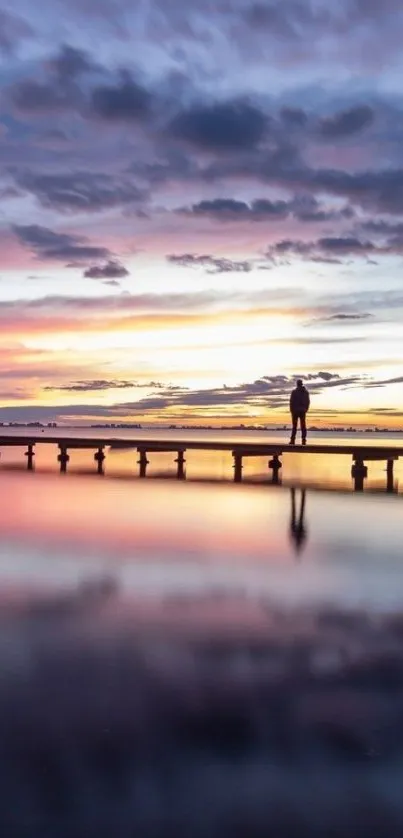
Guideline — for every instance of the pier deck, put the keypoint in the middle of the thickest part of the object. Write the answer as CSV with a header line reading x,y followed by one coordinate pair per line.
x,y
360,454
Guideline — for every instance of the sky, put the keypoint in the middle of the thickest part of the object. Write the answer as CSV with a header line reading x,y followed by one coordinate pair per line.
x,y
200,202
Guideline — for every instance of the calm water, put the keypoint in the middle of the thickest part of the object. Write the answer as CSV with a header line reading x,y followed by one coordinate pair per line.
x,y
224,547
198,658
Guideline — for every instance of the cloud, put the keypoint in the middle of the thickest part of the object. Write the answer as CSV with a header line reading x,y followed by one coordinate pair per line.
x,y
225,126
91,386
228,209
141,312
345,317
55,87
294,117
386,382
289,20
66,82
79,191
71,63
266,392
381,190
212,264
114,384
126,101
304,208
344,245
31,97
13,29
263,394
332,248
381,227
56,247
124,302
303,35
345,123
111,270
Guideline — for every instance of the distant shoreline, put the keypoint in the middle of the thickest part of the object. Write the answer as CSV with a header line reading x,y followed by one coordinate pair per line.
x,y
247,428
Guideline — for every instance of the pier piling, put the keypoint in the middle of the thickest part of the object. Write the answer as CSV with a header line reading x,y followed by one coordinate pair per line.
x,y
359,472
63,458
30,455
99,458
276,465
180,460
143,462
237,467
389,476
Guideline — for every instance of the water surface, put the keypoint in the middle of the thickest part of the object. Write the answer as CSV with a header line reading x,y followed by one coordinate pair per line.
x,y
193,658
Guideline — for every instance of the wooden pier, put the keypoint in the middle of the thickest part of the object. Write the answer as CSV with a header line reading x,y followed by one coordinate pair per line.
x,y
360,454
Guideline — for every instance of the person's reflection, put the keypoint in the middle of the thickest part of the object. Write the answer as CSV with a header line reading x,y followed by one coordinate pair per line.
x,y
298,530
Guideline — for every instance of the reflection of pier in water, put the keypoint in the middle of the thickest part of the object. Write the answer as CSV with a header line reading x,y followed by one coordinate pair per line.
x,y
298,531
361,455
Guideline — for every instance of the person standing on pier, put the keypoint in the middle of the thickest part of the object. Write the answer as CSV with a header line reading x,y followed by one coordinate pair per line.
x,y
299,406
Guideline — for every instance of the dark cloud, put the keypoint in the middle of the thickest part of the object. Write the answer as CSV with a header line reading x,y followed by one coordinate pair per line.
x,y
111,270
373,190
268,391
333,248
225,126
343,317
57,247
228,209
91,386
384,383
382,228
79,191
344,245
379,190
66,82
70,63
57,87
307,208
125,101
345,123
290,246
212,264
114,384
294,117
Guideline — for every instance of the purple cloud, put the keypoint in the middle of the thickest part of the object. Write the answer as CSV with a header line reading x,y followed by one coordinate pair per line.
x,y
51,246
111,270
225,126
125,101
345,123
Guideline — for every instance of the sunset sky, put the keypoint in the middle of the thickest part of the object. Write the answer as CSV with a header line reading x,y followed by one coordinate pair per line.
x,y
199,202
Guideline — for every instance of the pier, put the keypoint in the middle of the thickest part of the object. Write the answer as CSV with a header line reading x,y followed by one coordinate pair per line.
x,y
360,455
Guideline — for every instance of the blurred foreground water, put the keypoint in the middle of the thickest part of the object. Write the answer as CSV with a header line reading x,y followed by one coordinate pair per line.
x,y
198,660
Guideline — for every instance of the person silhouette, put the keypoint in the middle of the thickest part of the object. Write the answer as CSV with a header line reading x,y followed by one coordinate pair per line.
x,y
298,531
299,406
